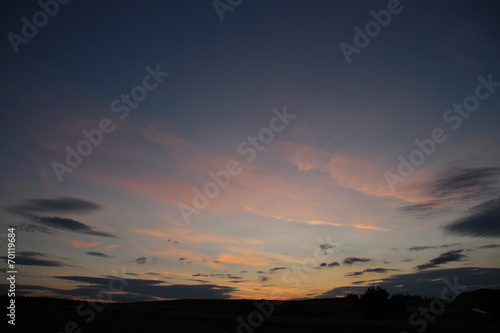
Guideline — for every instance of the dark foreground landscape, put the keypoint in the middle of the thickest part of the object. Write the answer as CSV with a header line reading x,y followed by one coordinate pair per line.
x,y
463,314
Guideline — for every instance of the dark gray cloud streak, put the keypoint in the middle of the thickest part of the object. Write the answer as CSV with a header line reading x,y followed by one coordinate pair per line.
x,y
58,205
98,254
443,258
352,260
33,209
371,270
277,269
489,246
33,258
482,220
425,247
143,289
456,185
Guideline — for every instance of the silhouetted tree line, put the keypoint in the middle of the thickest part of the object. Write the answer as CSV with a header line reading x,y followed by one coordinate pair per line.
x,y
484,299
376,304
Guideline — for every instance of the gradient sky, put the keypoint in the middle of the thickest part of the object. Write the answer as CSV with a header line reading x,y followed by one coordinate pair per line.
x,y
312,215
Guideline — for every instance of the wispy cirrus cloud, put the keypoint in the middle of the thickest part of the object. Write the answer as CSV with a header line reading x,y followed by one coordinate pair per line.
x,y
480,221
460,184
452,185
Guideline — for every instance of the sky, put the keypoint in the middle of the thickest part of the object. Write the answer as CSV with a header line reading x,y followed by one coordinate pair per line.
x,y
250,149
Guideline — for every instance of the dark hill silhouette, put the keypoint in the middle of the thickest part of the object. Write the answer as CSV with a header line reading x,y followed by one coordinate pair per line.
x,y
41,314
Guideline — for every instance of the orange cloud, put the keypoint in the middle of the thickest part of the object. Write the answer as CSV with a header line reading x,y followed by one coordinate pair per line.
x,y
359,226
188,235
75,242
251,261
111,247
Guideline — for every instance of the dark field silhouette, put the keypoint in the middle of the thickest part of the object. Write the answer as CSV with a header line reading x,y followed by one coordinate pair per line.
x,y
373,312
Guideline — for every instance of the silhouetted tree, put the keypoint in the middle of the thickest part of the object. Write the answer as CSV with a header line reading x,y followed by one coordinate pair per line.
x,y
352,296
375,303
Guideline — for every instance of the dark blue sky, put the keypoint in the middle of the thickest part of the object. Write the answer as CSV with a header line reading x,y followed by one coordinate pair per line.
x,y
325,173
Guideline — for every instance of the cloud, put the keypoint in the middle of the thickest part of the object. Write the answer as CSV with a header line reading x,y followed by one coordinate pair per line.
x,y
482,220
204,281
455,184
143,289
450,256
69,225
427,283
371,270
63,204
490,246
245,260
408,259
263,278
421,209
32,258
421,248
59,205
141,260
98,254
465,183
75,242
276,269
425,247
34,228
326,246
352,260
332,264
32,254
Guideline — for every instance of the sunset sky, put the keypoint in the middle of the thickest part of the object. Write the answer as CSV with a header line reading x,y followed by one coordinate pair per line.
x,y
336,171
